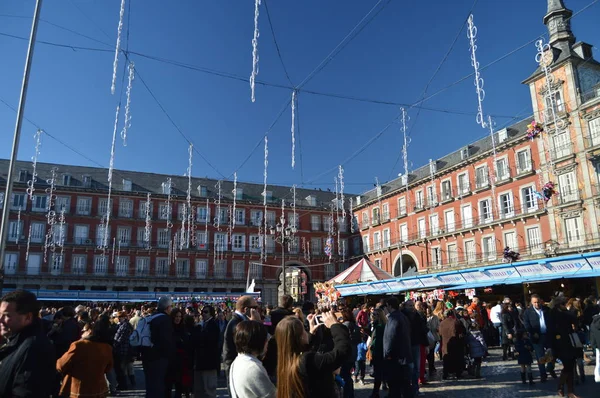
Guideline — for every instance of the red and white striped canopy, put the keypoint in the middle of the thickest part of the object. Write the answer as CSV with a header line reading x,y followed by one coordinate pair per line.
x,y
362,271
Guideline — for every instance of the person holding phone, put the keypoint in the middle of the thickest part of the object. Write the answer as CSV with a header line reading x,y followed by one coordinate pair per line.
x,y
302,373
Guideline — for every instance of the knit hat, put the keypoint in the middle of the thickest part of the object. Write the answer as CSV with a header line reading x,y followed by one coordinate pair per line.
x,y
449,305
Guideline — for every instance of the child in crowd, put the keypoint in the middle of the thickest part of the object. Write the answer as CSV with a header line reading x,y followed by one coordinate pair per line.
x,y
361,360
524,347
477,347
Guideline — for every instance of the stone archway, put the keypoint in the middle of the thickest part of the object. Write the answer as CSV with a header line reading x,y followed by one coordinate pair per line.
x,y
408,264
297,274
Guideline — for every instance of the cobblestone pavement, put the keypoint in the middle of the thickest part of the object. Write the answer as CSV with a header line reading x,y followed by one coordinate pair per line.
x,y
499,380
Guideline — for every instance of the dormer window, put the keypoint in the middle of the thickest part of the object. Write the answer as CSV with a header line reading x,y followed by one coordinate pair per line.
x,y
87,181
268,195
166,188
23,174
312,200
464,153
202,191
502,135
358,200
127,185
66,179
379,190
432,166
239,193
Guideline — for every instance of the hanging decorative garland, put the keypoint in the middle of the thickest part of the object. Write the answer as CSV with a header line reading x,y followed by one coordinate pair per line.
x,y
254,50
534,129
117,47
127,123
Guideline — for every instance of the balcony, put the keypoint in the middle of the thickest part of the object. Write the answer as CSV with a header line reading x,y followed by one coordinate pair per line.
x,y
401,211
524,169
446,195
385,217
418,207
432,202
562,152
364,224
375,221
569,197
481,183
503,176
592,141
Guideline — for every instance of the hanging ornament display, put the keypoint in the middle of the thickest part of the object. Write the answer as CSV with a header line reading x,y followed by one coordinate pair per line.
x,y
534,129
254,50
295,225
49,243
28,243
111,166
148,226
548,191
61,232
263,253
18,226
167,211
127,124
188,211
293,129
117,47
342,198
352,218
510,255
31,183
206,224
217,219
234,192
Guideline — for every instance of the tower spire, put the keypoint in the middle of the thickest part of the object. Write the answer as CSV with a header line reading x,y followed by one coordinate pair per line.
x,y
559,24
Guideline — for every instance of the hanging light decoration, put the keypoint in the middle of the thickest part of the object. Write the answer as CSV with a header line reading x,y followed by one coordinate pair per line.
x,y
127,123
254,50
117,47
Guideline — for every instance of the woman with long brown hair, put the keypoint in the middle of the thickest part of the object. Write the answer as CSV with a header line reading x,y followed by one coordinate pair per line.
x,y
302,374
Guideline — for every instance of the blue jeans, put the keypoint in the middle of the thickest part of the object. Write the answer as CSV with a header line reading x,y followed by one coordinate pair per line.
x,y
155,373
415,366
498,327
540,351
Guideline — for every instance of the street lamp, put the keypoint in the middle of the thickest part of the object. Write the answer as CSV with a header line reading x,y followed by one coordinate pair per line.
x,y
283,234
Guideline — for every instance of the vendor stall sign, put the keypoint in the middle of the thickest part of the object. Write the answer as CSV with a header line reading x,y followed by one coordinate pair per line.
x,y
470,293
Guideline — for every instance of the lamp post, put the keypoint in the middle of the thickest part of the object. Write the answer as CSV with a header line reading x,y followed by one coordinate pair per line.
x,y
283,234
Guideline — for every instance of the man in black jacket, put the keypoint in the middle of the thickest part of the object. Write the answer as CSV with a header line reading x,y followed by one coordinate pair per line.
x,y
207,358
537,322
418,338
156,359
28,360
397,351
286,302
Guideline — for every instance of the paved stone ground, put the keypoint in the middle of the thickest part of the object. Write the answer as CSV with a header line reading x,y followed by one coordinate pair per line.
x,y
499,380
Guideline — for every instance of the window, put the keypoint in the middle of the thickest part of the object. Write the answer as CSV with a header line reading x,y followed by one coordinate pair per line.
x,y
82,233
164,211
534,240
126,208
100,267
66,179
104,207
1,200
124,236
270,244
256,217
59,234
464,153
316,246
434,224
87,181
238,269
510,240
221,269
78,264
470,251
312,200
56,264
181,209
365,219
506,205
142,266
404,233
330,269
268,195
220,241
561,145
162,267
127,185
38,232
15,229
271,218
523,161
436,257
502,170
39,203
419,200
294,220
529,200
84,206
342,224
238,243
481,177
294,245
489,248
344,246
34,264
402,206
202,240
502,135
202,191
255,243
376,241
449,221
375,220
183,268
23,175
315,222
202,214
574,229
386,238
554,100
385,211
446,190
431,196
421,228
122,266
201,269
240,216
452,254
485,211
11,261
365,243
466,214
163,237
166,187
567,185
594,126
18,201
463,184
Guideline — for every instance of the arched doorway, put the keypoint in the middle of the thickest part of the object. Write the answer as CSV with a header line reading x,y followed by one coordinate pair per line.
x,y
298,281
405,265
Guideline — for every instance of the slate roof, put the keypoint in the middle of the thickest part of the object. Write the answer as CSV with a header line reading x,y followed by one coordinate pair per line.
x,y
516,131
142,183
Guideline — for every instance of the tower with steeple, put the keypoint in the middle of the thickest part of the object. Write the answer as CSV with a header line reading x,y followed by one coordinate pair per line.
x,y
565,94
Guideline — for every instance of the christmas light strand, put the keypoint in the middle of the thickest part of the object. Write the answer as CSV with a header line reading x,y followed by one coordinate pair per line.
x,y
189,212
50,215
293,129
148,226
217,219
263,254
117,47
234,192
342,198
294,206
111,165
34,159
127,124
254,50
18,226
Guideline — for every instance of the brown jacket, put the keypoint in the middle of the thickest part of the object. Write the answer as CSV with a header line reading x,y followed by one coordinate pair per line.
x,y
83,368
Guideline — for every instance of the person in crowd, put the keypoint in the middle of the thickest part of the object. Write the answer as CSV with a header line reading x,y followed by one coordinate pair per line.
x,y
589,310
355,338
247,376
307,308
123,353
418,339
84,366
433,324
576,309
156,359
64,331
378,321
536,320
562,326
474,309
299,314
421,309
83,317
477,348
524,347
508,331
207,361
309,374
595,343
453,336
245,309
361,360
397,351
285,308
135,319
496,319
362,318
27,355
179,373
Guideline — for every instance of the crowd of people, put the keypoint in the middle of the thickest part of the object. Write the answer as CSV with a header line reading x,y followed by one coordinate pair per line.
x,y
287,351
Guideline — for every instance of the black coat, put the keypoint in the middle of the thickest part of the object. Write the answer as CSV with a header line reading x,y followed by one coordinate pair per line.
x,y
229,350
531,322
63,336
205,342
562,324
508,327
276,316
28,367
316,369
595,332
161,330
418,328
396,338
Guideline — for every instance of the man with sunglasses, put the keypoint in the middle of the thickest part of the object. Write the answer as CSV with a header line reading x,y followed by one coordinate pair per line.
x,y
205,343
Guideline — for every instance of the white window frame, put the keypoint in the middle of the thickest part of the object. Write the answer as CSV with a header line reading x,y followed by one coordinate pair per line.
x,y
126,208
511,242
422,227
38,232
436,256
385,212
446,194
525,203
104,206
240,217
505,175
142,266
78,264
575,237
365,243
162,267
402,206
419,202
315,222
376,240
386,240
488,251
403,236
482,219
470,251
124,236
434,227
466,222
568,187
534,243
100,265
182,268
201,268
40,203
122,266
463,189
238,269
81,240
238,242
84,206
509,211
452,253
255,243
449,226
594,129
485,177
18,201
523,168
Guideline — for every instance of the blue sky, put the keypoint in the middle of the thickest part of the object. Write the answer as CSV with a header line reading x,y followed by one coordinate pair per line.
x,y
390,60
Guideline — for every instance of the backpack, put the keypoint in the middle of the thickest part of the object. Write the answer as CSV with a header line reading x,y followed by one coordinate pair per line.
x,y
142,336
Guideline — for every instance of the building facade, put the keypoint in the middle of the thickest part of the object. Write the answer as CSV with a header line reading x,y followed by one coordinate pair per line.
x,y
466,208
223,253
